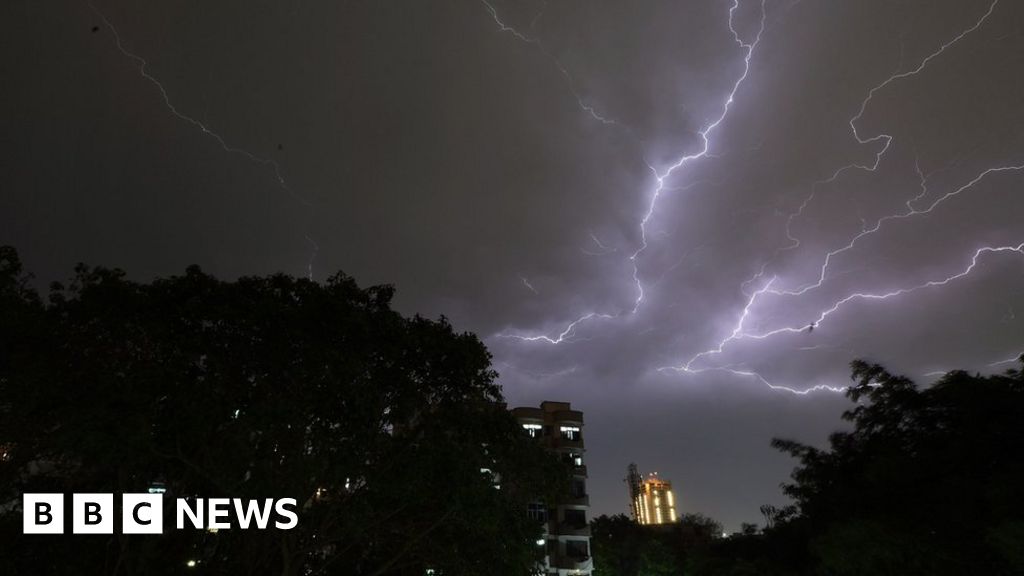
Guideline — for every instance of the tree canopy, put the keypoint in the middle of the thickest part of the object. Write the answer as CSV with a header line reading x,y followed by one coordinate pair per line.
x,y
388,431
926,482
623,547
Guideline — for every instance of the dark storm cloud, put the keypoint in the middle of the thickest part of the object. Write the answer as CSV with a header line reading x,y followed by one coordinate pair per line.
x,y
422,145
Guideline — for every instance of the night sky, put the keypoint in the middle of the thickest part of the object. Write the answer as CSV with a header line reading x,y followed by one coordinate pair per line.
x,y
570,180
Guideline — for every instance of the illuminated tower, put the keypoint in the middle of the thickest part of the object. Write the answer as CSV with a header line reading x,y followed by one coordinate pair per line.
x,y
654,502
566,527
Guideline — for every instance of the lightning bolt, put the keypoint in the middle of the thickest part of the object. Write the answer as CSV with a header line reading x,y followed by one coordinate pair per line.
x,y
604,249
763,380
563,336
769,289
1016,358
1010,360
738,332
570,81
274,167
312,256
661,176
528,285
910,213
705,137
886,295
885,139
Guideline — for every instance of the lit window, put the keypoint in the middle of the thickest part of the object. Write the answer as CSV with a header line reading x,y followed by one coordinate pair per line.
x,y
570,432
533,429
573,458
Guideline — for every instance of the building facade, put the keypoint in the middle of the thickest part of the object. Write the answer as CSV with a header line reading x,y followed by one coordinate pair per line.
x,y
654,502
567,526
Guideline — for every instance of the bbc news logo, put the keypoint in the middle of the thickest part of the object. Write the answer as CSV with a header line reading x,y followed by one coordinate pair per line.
x,y
144,513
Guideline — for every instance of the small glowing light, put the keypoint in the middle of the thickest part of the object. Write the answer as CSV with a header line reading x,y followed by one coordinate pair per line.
x,y
191,563
540,542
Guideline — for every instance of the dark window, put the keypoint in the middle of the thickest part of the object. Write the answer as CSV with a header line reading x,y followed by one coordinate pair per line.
x,y
537,511
576,549
579,488
576,518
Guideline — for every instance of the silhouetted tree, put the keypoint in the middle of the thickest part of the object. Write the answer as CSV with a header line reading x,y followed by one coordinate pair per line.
x,y
624,548
926,482
382,427
618,545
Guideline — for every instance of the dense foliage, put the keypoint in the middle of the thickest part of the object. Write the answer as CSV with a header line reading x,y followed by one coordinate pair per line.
x,y
379,425
624,548
926,482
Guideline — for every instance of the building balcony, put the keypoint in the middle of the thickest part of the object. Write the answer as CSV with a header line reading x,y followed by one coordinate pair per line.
x,y
569,417
559,442
563,562
582,500
527,412
565,529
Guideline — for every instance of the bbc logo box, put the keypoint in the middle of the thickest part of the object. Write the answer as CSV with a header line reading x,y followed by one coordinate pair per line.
x,y
43,514
92,514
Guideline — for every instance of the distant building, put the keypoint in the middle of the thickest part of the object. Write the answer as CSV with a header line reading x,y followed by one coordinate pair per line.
x,y
651,500
566,527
